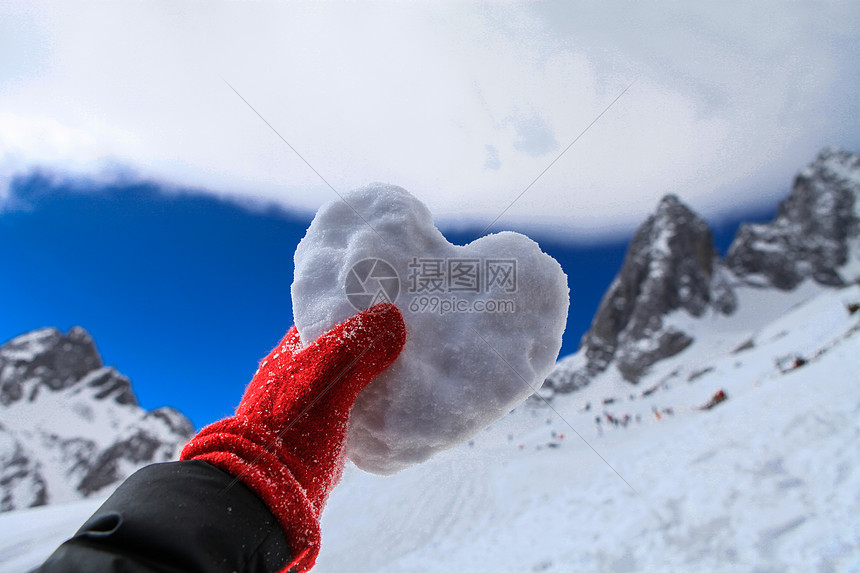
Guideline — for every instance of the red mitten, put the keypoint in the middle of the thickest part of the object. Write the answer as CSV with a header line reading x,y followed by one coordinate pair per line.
x,y
286,441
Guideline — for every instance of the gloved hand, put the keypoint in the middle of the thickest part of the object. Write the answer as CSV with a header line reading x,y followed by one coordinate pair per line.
x,y
286,441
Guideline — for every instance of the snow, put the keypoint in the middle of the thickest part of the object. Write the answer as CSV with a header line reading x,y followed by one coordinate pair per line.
x,y
850,271
844,170
661,242
26,347
29,536
460,369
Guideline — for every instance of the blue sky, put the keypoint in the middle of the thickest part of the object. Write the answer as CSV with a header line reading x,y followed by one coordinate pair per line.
x,y
184,292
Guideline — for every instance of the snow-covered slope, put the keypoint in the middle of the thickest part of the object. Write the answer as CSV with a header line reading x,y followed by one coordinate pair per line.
x,y
28,536
69,426
766,481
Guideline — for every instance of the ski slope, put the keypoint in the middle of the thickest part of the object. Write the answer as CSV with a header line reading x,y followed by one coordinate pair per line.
x,y
28,536
767,480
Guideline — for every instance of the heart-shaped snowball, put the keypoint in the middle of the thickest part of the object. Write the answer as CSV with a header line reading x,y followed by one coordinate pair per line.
x,y
484,321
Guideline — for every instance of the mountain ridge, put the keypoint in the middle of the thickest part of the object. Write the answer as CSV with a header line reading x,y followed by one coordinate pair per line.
x,y
71,426
671,264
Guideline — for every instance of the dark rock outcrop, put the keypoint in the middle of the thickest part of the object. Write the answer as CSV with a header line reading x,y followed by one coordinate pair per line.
x,y
45,359
21,482
809,238
136,450
670,265
71,426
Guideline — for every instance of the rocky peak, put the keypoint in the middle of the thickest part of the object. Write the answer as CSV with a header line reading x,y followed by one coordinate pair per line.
x,y
813,229
45,359
72,427
670,264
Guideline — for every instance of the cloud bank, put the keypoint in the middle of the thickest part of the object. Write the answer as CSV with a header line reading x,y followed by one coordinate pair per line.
x,y
462,104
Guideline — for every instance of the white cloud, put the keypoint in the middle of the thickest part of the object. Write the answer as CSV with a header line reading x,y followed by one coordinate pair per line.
x,y
464,105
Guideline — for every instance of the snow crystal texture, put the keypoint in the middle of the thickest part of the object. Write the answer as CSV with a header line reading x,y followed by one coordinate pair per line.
x,y
461,369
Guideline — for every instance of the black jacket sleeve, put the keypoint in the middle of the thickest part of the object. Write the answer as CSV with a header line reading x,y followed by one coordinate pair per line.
x,y
179,516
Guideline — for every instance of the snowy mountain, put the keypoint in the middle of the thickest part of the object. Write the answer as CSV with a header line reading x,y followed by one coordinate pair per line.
x,y
671,266
815,234
69,426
